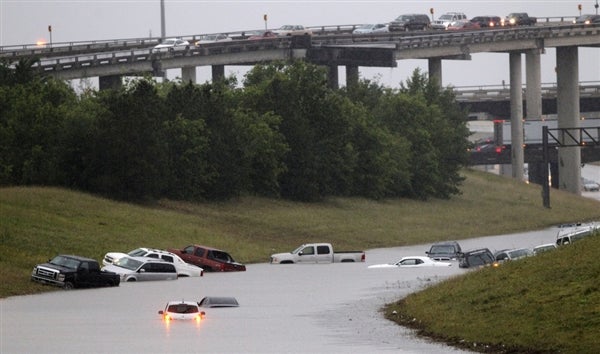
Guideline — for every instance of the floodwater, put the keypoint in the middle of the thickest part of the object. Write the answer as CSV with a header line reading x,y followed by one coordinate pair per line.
x,y
318,308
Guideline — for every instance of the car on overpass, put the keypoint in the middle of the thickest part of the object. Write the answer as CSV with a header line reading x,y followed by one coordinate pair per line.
x,y
292,30
371,28
487,21
171,45
410,22
587,19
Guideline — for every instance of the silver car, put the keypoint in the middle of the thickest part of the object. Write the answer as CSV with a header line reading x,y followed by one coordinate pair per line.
x,y
142,269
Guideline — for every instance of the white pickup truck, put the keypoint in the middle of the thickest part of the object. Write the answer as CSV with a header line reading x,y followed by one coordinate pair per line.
x,y
317,253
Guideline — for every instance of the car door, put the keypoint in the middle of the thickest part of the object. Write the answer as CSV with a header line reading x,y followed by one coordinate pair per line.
x,y
307,255
146,272
324,254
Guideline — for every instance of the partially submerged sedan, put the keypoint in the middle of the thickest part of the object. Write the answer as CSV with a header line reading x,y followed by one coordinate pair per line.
x,y
142,269
411,262
182,310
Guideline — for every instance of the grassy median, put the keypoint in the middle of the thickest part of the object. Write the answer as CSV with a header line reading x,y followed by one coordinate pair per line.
x,y
38,223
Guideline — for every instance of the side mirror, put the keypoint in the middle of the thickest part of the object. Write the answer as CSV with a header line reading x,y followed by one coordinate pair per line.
x,y
300,253
161,312
141,270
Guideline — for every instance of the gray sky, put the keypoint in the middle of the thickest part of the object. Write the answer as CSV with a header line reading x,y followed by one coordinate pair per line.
x,y
26,22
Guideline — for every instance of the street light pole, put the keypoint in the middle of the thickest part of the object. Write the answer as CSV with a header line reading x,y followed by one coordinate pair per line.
x,y
596,6
162,19
50,31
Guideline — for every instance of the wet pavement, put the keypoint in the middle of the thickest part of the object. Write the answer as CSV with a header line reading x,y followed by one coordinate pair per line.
x,y
317,308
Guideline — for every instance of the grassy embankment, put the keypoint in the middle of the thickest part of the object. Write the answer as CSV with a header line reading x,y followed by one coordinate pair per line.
x,y
544,304
37,223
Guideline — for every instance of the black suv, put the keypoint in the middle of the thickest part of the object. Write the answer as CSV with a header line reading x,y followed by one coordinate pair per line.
x,y
476,258
410,22
444,251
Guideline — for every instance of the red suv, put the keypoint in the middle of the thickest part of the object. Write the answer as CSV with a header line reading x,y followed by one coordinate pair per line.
x,y
208,258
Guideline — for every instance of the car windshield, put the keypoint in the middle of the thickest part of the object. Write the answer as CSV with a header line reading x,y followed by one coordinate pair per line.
x,y
286,27
403,18
445,17
65,262
182,308
138,252
170,42
441,249
128,263
518,253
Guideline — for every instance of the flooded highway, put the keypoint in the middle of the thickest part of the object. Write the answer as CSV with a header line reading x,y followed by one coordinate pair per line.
x,y
317,308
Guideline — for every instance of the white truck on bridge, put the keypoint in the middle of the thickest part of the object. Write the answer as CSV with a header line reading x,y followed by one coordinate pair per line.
x,y
317,253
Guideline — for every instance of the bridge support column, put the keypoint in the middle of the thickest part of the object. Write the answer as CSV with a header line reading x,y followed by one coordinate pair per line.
x,y
332,76
567,109
533,83
188,74
110,82
516,117
435,69
351,75
218,72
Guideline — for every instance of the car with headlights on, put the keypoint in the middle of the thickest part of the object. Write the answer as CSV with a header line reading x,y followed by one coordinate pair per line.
x,y
487,21
182,310
587,19
184,269
142,269
412,262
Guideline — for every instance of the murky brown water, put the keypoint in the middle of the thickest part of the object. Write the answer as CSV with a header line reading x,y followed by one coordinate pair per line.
x,y
325,308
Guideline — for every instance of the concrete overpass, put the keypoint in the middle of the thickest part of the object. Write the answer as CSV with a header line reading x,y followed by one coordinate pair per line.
x,y
384,50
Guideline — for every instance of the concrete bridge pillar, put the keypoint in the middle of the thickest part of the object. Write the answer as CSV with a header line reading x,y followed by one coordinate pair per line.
x,y
435,69
218,72
516,117
110,82
351,75
332,76
188,74
533,83
567,109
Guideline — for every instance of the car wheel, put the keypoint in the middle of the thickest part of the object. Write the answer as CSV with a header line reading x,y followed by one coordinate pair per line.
x,y
131,279
68,285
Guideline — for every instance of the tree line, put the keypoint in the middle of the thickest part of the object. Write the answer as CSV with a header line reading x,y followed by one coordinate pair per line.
x,y
282,133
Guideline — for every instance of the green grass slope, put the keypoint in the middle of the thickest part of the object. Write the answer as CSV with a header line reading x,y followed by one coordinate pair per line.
x,y
544,304
38,223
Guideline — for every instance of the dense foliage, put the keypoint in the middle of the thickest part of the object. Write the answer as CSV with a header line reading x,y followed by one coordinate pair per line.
x,y
284,133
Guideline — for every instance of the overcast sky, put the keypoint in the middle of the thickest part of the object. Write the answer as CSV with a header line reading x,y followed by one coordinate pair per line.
x,y
27,21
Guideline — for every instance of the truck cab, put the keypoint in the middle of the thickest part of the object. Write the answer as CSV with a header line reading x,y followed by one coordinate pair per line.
x,y
314,253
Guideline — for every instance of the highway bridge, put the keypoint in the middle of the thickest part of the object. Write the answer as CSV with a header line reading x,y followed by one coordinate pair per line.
x,y
335,46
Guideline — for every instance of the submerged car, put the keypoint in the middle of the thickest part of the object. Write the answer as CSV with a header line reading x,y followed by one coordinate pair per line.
x,y
218,301
411,262
444,251
182,310
183,269
142,269
476,258
544,248
512,254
